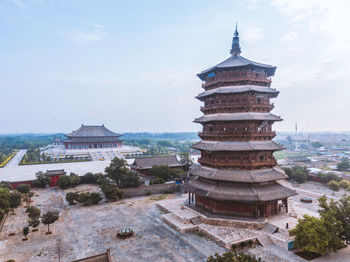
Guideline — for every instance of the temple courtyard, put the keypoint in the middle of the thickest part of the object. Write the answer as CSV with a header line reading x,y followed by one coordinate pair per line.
x,y
86,231
164,230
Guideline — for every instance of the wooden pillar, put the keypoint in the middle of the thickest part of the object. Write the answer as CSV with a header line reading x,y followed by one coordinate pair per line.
x,y
195,199
189,198
286,201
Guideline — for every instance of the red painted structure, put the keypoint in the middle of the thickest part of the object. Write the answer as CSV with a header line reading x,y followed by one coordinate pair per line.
x,y
53,174
237,173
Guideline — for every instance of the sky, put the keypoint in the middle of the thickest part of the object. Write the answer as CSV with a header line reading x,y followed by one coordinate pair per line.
x,y
132,65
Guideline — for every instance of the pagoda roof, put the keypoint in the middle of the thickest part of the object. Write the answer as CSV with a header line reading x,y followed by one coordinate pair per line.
x,y
236,61
231,191
234,175
237,117
237,146
239,89
149,162
92,131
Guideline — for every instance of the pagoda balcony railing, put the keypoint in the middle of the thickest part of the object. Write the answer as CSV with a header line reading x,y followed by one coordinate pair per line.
x,y
237,136
236,108
217,80
238,165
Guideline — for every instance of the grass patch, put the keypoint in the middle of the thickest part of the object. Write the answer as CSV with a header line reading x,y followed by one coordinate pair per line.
x,y
158,198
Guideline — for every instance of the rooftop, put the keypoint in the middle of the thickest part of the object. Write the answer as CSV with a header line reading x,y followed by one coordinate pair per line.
x,y
149,162
239,89
92,131
237,117
237,61
237,146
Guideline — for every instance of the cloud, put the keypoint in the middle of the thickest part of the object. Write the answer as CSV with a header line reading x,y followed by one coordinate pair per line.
x,y
290,37
95,35
252,34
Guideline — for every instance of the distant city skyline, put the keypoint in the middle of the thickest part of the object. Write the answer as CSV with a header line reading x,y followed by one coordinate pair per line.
x,y
132,65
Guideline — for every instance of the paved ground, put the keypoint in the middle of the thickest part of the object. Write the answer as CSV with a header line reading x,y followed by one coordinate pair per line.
x,y
86,231
16,159
13,172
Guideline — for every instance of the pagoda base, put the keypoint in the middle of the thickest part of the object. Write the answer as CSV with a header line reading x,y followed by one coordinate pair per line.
x,y
240,209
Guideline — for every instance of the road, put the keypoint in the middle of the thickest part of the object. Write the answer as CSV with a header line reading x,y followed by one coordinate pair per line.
x,y
16,159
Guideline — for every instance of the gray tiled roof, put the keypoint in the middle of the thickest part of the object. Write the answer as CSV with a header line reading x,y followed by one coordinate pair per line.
x,y
237,146
237,116
234,175
149,162
87,131
231,191
239,89
56,172
237,61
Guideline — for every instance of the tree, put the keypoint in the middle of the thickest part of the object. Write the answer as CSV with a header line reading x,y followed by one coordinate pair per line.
x,y
72,198
326,177
333,185
64,181
344,164
311,235
28,198
85,198
297,173
116,169
333,226
233,257
33,212
15,200
4,201
185,160
42,179
111,191
341,210
23,188
129,179
344,184
25,232
95,198
6,184
75,180
34,215
161,171
49,218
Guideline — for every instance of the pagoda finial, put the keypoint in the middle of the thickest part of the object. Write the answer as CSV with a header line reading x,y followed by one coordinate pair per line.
x,y
236,49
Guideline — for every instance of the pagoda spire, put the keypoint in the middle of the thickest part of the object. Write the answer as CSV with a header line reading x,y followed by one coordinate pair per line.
x,y
236,49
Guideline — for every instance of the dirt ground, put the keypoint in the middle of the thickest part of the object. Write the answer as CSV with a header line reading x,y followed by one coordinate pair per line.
x,y
86,231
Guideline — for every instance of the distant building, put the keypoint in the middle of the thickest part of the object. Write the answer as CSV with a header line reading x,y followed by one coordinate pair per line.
x,y
92,137
144,164
57,141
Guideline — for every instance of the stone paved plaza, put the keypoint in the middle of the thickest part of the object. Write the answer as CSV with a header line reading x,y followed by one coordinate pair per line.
x,y
86,231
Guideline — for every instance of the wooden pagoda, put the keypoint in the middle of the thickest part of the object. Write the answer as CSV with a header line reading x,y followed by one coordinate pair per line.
x,y
237,173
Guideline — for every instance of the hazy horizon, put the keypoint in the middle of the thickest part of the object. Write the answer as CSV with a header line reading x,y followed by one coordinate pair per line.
x,y
132,65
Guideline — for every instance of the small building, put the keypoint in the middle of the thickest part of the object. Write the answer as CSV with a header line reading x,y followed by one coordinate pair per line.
x,y
299,159
143,164
92,137
57,141
55,175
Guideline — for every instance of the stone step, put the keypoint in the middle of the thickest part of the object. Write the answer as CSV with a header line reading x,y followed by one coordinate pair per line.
x,y
265,241
269,228
179,225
